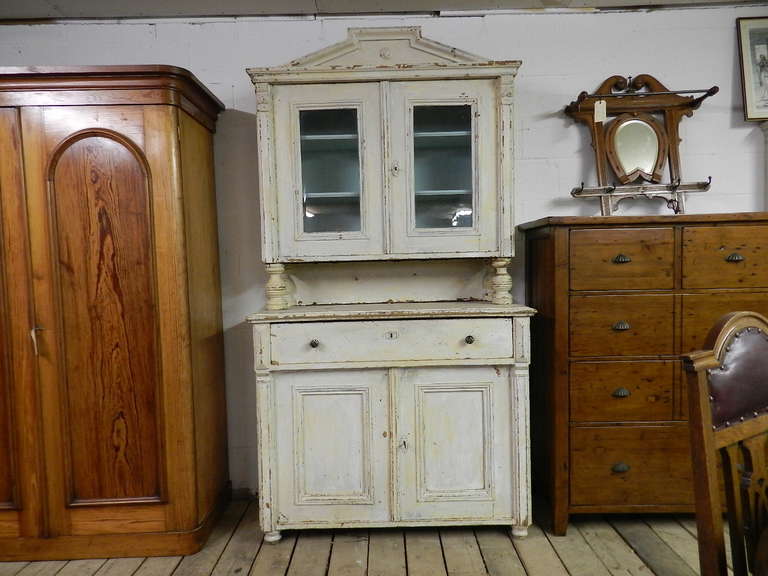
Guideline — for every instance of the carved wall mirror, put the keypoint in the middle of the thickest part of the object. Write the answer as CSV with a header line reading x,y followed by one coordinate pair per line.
x,y
634,127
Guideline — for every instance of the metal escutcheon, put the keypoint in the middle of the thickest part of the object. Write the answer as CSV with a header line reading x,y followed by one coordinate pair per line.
x,y
620,468
734,257
621,393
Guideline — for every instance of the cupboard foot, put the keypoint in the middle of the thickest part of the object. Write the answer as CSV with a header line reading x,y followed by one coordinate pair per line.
x,y
519,531
273,536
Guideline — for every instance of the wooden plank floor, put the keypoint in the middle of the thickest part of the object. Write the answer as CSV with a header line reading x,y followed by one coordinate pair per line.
x,y
594,546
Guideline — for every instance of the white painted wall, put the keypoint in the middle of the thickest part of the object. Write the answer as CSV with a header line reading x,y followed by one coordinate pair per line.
x,y
562,53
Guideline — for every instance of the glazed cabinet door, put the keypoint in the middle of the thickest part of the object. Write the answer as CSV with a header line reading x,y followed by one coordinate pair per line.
x,y
20,500
441,134
107,278
332,447
454,445
329,186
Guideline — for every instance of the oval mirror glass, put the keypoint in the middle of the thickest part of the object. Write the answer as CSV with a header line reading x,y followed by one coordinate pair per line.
x,y
637,146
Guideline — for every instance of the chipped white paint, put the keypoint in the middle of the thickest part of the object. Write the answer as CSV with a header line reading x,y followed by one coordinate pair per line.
x,y
354,74
279,289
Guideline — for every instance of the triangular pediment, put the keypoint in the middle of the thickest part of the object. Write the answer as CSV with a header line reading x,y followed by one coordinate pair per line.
x,y
369,47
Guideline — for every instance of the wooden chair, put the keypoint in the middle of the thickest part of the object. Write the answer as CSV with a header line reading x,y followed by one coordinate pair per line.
x,y
728,402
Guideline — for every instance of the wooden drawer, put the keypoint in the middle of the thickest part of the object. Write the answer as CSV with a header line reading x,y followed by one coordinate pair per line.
x,y
621,325
725,256
392,341
701,311
657,461
622,259
621,391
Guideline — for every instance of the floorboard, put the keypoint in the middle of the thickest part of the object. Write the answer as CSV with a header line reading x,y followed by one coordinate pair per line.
x,y
274,557
242,548
461,552
424,553
537,554
349,554
656,554
610,547
499,554
386,553
159,566
651,545
311,555
576,554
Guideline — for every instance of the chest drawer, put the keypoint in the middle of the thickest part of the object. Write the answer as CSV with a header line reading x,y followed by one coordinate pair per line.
x,y
621,391
725,256
392,341
622,259
621,325
631,465
701,311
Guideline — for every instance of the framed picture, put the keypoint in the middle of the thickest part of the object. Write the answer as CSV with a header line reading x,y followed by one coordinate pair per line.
x,y
753,51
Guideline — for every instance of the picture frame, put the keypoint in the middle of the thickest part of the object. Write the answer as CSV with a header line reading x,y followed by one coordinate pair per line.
x,y
753,57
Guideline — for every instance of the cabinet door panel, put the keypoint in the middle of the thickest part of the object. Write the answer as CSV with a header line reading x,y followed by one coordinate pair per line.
x,y
20,498
107,281
332,447
329,188
453,444
104,269
441,132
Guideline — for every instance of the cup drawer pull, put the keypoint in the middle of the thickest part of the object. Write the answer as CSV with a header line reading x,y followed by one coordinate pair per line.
x,y
621,259
620,468
621,326
621,393
734,258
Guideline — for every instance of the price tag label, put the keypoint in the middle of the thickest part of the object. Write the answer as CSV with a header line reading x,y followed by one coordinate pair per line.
x,y
600,111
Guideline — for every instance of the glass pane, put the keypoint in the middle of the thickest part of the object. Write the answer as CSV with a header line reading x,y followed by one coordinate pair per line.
x,y
442,156
330,170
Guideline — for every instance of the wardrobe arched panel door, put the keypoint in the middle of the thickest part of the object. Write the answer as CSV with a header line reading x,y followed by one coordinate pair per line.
x,y
109,274
104,267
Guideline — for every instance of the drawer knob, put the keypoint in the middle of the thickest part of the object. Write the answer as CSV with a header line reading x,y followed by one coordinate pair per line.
x,y
734,257
621,393
621,326
621,259
314,343
469,339
620,468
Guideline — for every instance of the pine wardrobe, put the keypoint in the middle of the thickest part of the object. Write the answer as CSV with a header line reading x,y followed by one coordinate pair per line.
x,y
112,424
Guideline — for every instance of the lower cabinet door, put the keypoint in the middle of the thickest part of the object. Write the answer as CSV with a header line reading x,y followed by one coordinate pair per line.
x,y
454,444
332,439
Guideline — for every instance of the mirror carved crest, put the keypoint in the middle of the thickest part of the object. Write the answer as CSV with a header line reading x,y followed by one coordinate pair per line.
x,y
634,125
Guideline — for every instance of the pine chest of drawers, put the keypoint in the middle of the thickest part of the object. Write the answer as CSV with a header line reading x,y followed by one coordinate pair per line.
x,y
619,299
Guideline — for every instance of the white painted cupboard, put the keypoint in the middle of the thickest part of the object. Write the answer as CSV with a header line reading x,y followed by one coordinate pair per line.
x,y
377,409
390,420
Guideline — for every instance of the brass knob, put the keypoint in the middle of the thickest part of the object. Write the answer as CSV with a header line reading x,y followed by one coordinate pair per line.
x,y
620,468
734,258
621,393
314,343
621,259
621,326
469,339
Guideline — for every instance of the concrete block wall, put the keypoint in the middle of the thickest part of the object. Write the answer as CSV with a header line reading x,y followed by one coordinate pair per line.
x,y
563,53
